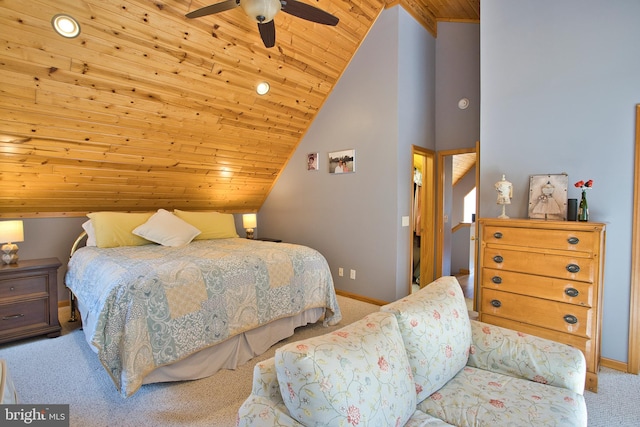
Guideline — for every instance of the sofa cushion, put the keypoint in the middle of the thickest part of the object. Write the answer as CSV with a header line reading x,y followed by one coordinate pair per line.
x,y
437,333
358,374
477,397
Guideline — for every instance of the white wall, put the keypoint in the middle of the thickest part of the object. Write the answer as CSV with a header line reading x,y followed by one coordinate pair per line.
x,y
560,80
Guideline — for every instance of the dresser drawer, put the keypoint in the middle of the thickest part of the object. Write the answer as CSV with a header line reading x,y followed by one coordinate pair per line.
x,y
567,318
539,263
550,288
21,286
582,241
32,313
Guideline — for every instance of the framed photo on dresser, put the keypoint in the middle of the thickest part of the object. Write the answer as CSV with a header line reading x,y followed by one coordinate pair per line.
x,y
548,196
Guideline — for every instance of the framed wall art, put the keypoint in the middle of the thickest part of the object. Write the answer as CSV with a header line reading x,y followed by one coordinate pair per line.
x,y
548,196
312,161
342,161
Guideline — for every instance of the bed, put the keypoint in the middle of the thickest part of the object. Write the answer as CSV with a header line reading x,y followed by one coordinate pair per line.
x,y
158,312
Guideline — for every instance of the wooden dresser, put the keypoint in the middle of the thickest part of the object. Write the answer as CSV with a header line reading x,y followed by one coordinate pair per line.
x,y
544,278
29,299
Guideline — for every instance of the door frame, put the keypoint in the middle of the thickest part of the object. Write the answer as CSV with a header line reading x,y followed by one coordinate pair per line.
x,y
633,365
440,201
427,217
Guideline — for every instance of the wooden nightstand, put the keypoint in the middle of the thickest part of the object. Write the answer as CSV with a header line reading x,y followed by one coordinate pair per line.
x,y
29,299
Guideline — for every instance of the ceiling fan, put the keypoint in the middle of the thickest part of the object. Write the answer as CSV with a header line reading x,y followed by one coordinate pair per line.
x,y
263,12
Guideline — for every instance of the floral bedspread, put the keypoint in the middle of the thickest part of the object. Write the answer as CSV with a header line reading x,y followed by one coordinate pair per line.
x,y
149,306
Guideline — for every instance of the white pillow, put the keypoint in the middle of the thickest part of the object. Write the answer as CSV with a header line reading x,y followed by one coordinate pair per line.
x,y
356,375
167,229
91,233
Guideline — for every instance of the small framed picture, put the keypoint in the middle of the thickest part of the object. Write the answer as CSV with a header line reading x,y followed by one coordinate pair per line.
x,y
312,161
342,161
548,197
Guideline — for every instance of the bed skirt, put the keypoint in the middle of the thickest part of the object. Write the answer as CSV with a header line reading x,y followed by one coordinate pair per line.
x,y
231,353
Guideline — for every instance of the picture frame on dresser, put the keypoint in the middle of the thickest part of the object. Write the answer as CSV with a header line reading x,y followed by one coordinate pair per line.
x,y
548,196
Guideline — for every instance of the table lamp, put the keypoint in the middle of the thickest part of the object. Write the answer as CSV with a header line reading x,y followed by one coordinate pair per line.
x,y
10,232
249,222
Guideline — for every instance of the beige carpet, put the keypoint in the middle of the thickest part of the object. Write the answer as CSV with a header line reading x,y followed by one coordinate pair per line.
x,y
64,370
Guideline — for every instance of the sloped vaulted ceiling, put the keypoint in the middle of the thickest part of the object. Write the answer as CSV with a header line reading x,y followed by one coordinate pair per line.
x,y
147,109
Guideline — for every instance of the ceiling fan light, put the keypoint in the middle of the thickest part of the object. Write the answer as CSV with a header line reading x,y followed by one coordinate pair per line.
x,y
261,11
65,25
262,88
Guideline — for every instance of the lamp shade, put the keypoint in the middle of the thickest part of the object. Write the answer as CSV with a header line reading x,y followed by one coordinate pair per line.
x,y
262,11
11,231
249,221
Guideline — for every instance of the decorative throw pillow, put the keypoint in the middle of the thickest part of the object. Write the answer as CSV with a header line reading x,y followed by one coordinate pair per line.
x,y
167,229
87,226
435,326
213,225
115,228
357,375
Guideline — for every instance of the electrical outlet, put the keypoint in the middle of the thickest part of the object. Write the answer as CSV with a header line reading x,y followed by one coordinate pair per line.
x,y
340,271
352,274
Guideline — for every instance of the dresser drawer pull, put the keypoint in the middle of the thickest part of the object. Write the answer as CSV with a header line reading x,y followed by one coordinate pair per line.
x,y
498,259
573,240
13,316
573,268
496,279
497,235
570,319
572,292
496,303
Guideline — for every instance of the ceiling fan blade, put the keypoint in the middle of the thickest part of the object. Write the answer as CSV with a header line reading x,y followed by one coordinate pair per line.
x,y
308,12
213,8
268,33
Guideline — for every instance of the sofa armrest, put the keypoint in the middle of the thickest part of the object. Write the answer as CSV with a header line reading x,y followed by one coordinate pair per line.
x,y
265,381
265,407
525,356
262,411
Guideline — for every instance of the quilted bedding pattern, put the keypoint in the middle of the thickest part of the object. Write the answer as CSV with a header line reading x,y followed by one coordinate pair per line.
x,y
153,305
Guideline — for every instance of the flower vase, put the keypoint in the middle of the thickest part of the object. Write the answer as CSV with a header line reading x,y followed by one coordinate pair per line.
x,y
583,208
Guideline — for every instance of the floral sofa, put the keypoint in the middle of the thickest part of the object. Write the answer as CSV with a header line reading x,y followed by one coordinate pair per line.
x,y
419,361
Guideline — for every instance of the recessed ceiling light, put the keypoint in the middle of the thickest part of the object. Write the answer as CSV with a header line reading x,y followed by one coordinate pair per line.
x,y
65,25
262,88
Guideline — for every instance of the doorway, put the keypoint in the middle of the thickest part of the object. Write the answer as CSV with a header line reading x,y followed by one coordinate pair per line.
x,y
422,218
453,166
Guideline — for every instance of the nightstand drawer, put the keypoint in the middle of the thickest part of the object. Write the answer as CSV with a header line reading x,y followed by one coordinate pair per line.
x,y
21,286
544,264
569,240
28,313
567,318
551,288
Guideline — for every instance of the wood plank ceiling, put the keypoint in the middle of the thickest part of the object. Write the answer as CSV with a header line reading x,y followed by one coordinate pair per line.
x,y
146,109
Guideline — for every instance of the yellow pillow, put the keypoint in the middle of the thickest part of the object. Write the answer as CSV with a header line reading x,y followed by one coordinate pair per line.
x,y
114,229
213,225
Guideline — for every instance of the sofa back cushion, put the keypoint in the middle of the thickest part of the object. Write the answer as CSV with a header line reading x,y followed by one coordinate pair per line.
x,y
436,330
356,375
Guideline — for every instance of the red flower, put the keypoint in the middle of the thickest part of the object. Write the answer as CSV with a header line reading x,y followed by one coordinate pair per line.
x,y
584,185
353,415
448,351
383,364
418,388
436,396
486,330
497,403
540,379
436,315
